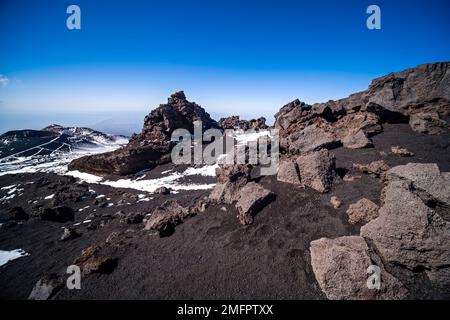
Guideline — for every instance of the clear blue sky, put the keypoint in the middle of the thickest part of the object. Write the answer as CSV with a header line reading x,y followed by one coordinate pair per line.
x,y
232,57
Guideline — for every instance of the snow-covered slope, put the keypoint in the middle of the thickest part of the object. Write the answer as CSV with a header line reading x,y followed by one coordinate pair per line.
x,y
51,148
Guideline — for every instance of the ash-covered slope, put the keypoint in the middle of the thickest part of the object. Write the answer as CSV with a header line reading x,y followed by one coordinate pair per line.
x,y
152,146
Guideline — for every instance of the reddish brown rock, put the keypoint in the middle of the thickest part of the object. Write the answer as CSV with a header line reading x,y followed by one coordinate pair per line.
x,y
317,170
362,211
288,172
340,266
375,168
252,199
165,217
152,146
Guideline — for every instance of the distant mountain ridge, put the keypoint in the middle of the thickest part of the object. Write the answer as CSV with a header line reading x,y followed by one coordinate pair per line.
x,y
54,138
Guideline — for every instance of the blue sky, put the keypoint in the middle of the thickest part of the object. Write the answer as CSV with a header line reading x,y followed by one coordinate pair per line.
x,y
232,57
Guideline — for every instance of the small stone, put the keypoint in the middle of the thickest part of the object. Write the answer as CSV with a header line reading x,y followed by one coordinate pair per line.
x,y
335,202
375,168
362,211
402,151
69,234
162,191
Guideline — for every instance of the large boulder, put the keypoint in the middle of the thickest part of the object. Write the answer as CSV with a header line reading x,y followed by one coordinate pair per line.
x,y
366,122
252,199
317,169
312,138
340,266
356,140
288,172
165,217
93,260
152,146
425,178
58,214
46,287
410,233
230,179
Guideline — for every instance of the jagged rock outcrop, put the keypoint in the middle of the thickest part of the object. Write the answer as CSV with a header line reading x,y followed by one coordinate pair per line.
x,y
234,122
312,138
340,266
152,145
420,95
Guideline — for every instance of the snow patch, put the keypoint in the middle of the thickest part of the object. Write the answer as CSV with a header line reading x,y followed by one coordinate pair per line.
x,y
8,187
6,256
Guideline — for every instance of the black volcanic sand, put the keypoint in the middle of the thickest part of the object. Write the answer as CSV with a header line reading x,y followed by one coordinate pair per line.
x,y
210,256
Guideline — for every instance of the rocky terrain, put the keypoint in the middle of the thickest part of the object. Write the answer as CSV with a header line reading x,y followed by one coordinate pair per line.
x,y
362,182
152,146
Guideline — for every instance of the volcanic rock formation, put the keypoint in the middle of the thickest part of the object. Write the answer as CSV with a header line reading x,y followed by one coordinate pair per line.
x,y
152,146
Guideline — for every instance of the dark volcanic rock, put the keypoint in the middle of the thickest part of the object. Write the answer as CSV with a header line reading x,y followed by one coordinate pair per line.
x,y
312,138
317,170
92,260
134,217
162,190
72,192
252,199
340,266
288,172
230,179
69,234
17,213
420,95
165,217
409,232
152,146
58,214
375,168
234,122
